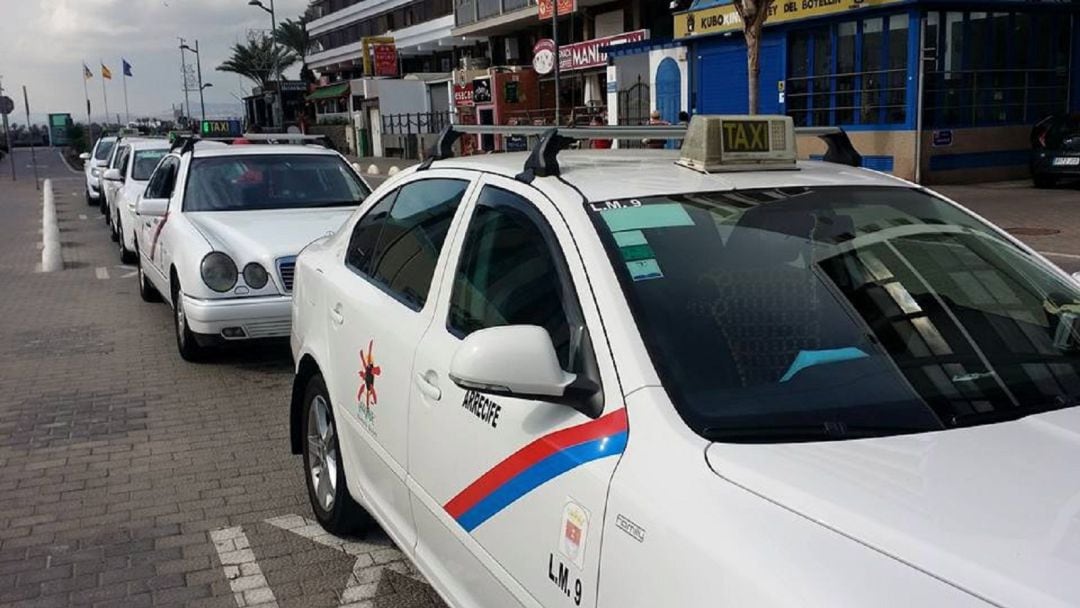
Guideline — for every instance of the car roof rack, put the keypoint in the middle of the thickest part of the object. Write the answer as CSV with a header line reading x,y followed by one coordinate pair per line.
x,y
186,143
543,160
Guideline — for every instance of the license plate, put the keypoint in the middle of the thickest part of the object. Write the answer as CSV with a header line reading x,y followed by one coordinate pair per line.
x,y
1066,161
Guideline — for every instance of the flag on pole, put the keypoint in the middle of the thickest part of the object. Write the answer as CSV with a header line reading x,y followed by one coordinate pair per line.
x,y
105,73
87,74
127,67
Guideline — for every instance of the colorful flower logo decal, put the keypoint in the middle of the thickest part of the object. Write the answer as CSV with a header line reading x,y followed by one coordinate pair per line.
x,y
368,372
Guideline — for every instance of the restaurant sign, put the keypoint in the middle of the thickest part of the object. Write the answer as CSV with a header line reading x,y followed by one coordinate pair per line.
x,y
591,54
724,18
565,8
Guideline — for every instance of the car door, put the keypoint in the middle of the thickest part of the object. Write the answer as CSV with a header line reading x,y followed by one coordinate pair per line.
x,y
161,186
379,303
509,492
123,157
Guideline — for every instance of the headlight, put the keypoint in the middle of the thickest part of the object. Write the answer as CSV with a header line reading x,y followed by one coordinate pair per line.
x,y
218,271
95,172
255,276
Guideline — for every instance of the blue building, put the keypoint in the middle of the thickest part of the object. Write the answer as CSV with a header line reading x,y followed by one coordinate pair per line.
x,y
932,90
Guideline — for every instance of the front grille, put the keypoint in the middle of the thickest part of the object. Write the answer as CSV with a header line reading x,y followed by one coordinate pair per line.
x,y
286,268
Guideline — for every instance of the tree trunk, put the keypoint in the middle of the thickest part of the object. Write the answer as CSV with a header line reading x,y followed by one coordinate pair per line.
x,y
753,67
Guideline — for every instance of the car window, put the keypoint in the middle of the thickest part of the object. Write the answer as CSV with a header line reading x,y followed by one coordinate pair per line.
x,y
164,179
272,181
145,162
103,149
511,272
398,242
118,158
122,165
837,312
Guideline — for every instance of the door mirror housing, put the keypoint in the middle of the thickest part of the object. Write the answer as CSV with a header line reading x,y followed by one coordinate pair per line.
x,y
152,207
1076,276
519,361
85,156
113,175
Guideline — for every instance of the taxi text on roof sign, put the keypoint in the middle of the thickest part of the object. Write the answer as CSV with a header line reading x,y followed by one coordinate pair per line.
x,y
221,128
739,143
724,18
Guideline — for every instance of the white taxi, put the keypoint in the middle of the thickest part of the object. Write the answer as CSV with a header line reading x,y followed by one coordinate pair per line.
x,y
218,227
718,377
125,183
94,163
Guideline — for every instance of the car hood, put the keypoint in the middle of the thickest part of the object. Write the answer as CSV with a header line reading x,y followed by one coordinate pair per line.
x,y
266,234
993,509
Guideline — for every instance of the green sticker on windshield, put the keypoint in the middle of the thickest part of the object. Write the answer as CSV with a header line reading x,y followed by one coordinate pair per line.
x,y
666,215
643,270
637,252
630,238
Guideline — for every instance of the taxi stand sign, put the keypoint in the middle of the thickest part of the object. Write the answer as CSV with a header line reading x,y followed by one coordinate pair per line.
x,y
739,143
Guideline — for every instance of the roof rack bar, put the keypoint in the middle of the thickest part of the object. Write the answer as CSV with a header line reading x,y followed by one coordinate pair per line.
x,y
443,148
544,159
602,132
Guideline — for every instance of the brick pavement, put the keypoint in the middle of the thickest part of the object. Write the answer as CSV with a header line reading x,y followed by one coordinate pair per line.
x,y
119,461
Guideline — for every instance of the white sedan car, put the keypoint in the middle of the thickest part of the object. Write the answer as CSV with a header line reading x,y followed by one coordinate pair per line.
x,y
726,378
218,228
138,159
94,165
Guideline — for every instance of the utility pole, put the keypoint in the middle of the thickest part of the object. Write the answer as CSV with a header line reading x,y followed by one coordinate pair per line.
x,y
33,154
555,39
7,135
183,71
273,50
198,69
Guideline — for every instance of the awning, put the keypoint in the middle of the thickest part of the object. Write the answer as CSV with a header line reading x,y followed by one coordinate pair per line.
x,y
329,92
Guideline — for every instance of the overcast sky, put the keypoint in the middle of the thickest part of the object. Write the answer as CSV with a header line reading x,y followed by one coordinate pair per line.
x,y
43,44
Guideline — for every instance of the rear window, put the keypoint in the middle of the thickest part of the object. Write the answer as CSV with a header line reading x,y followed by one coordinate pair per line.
x,y
272,181
104,148
835,312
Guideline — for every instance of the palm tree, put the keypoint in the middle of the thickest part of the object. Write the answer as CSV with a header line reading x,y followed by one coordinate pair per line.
x,y
257,60
293,35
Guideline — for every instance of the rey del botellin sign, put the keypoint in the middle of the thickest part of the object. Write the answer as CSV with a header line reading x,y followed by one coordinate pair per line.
x,y
723,18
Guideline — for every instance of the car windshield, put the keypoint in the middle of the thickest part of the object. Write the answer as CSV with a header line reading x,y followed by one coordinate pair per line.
x,y
835,312
104,148
145,163
271,181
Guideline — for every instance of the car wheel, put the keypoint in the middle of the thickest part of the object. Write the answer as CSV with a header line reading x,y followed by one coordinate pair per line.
x,y
146,290
1044,181
90,200
126,255
114,234
189,347
334,507
103,207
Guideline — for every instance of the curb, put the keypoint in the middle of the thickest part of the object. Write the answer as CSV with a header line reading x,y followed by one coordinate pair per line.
x,y
51,261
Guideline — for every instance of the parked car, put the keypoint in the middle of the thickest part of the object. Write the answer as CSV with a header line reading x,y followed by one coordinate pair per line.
x,y
120,150
129,179
93,164
1055,149
718,377
218,228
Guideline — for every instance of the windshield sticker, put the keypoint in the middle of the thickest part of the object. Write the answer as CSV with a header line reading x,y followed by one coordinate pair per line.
x,y
637,252
810,358
629,238
667,215
644,270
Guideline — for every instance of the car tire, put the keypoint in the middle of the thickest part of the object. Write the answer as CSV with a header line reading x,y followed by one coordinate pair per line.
x,y
90,202
147,291
103,206
186,341
126,255
1044,181
328,492
114,234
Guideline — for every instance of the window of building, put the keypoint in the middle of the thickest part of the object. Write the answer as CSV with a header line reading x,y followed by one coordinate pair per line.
x,y
849,73
994,68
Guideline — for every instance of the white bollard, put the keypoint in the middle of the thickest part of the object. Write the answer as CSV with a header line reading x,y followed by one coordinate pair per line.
x,y
373,169
51,261
393,170
358,168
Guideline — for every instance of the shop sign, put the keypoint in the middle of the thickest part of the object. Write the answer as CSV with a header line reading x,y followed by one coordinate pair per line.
x,y
724,18
544,56
386,60
481,91
589,54
942,138
516,143
463,94
565,7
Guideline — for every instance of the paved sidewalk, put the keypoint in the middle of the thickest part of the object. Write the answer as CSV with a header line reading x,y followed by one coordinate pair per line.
x,y
131,478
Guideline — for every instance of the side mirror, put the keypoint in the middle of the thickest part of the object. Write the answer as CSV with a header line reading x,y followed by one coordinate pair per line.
x,y
113,175
1076,276
518,361
84,156
152,207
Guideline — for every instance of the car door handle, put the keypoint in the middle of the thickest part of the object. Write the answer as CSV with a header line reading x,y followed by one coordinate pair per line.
x,y
336,314
428,383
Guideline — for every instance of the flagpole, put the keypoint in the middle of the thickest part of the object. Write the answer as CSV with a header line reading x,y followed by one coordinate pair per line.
x,y
104,94
127,114
89,121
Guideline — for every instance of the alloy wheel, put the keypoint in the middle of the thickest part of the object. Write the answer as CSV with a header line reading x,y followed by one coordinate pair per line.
x,y
322,452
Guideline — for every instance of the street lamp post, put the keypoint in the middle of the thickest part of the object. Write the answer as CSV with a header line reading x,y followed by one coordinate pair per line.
x,y
198,70
183,70
273,50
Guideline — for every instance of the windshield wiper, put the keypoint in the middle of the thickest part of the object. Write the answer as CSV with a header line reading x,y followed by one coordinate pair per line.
x,y
1059,402
825,431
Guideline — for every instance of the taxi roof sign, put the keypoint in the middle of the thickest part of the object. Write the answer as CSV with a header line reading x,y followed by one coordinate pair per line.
x,y
739,143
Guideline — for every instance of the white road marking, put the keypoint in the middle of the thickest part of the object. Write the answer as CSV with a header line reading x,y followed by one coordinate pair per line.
x,y
245,577
102,272
1068,256
82,216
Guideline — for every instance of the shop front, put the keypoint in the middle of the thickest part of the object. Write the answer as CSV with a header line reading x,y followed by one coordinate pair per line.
x,y
989,71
